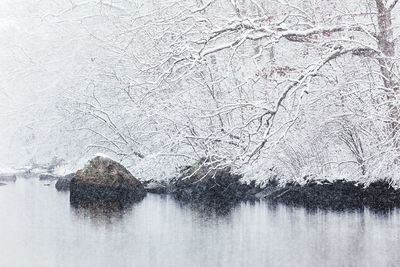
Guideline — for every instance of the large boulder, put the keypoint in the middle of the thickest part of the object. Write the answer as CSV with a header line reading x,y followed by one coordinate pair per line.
x,y
105,181
63,183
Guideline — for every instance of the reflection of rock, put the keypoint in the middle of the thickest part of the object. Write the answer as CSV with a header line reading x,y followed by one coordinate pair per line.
x,y
105,181
8,178
1,184
101,212
48,177
63,183
209,208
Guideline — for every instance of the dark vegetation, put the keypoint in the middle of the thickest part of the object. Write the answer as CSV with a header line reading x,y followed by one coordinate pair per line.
x,y
204,184
336,195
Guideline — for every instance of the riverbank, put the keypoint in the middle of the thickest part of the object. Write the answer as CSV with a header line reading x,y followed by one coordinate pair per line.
x,y
226,189
336,195
221,189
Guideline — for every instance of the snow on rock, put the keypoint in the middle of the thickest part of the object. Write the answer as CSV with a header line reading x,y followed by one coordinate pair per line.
x,y
102,155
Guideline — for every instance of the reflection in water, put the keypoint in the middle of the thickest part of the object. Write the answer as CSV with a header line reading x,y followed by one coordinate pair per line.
x,y
107,212
38,227
208,209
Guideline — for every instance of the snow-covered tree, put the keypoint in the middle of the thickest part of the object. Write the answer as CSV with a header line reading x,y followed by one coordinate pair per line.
x,y
304,88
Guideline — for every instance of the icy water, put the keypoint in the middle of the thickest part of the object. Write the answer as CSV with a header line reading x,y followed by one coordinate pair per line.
x,y
39,228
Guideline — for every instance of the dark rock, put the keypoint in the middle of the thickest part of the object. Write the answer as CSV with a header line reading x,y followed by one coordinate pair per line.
x,y
63,183
220,187
1,184
381,195
205,182
48,177
8,178
105,181
337,195
209,209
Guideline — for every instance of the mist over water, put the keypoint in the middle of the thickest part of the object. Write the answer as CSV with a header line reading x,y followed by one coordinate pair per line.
x,y
39,228
38,61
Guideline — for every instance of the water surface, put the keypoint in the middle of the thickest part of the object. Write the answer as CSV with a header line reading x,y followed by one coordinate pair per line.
x,y
39,228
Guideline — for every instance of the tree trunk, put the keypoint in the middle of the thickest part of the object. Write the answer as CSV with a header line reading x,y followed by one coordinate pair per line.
x,y
387,65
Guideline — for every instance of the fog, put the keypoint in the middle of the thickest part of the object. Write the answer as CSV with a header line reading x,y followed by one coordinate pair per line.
x,y
26,82
38,58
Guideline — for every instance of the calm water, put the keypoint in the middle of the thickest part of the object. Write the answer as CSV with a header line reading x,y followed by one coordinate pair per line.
x,y
39,228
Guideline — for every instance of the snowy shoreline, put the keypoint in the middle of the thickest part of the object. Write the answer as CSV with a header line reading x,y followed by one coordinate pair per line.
x,y
201,184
